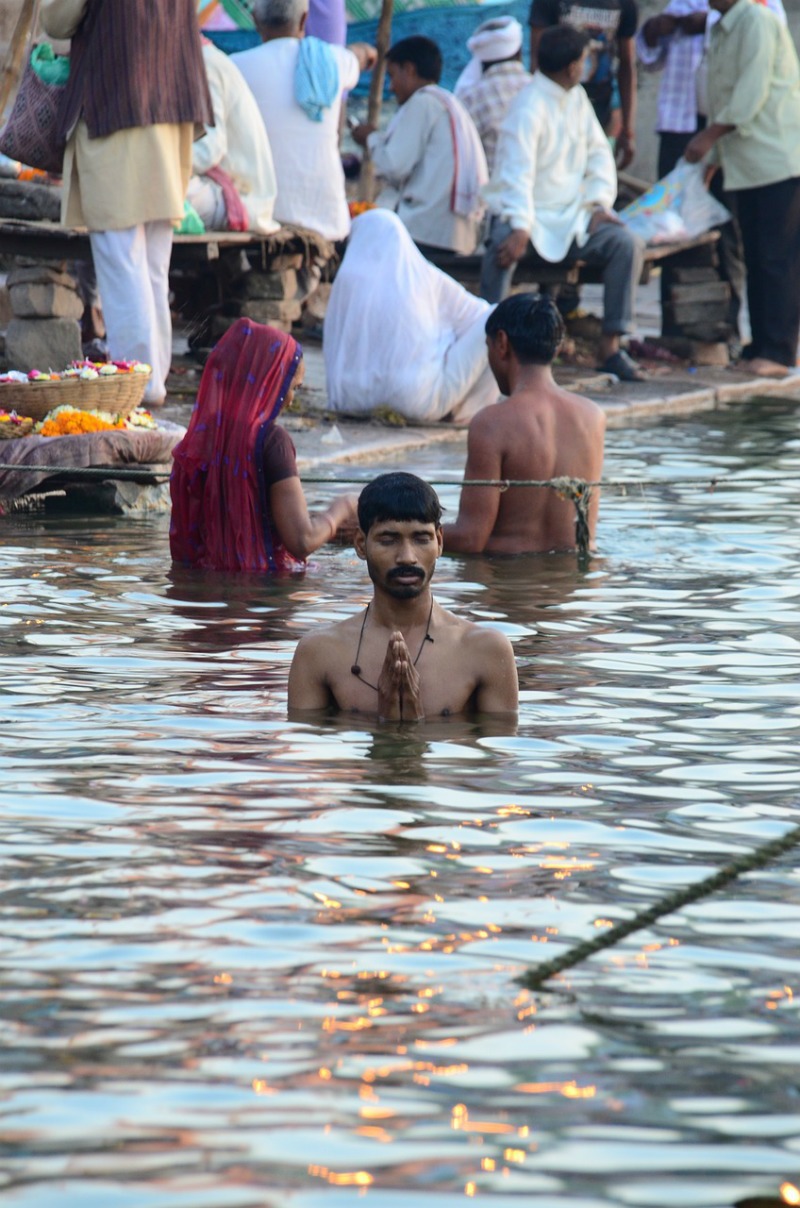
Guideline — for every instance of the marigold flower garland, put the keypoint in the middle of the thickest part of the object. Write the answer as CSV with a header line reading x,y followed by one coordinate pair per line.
x,y
69,421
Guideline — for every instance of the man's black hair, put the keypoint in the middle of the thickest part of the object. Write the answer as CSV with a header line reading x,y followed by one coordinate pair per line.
x,y
533,325
423,53
559,46
398,496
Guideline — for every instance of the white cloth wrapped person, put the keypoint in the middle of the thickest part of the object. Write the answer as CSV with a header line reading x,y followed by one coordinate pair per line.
x,y
400,333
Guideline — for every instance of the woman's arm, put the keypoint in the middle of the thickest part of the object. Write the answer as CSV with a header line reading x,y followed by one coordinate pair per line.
x,y
301,531
60,18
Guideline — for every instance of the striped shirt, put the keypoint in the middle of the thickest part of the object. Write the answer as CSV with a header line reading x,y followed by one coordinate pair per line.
x,y
488,100
136,65
679,56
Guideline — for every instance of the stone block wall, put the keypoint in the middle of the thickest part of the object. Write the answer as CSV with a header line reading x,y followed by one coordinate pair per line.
x,y
44,331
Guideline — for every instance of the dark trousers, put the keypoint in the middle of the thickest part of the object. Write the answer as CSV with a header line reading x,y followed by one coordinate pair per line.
x,y
770,220
731,252
612,247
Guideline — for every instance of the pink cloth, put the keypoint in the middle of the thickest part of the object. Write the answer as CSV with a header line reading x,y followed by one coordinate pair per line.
x,y
220,499
471,172
234,207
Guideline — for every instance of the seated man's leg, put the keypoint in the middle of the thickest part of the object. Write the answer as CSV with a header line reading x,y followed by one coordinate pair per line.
x,y
620,254
496,281
206,197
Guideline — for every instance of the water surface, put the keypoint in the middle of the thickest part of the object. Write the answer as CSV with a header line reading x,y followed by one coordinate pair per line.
x,y
252,962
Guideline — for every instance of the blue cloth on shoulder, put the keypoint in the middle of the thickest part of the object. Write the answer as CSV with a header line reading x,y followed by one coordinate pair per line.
x,y
316,77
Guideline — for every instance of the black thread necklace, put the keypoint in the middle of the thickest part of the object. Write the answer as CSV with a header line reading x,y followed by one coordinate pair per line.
x,y
356,669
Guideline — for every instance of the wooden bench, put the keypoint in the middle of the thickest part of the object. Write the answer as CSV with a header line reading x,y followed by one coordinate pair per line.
x,y
212,282
51,241
533,269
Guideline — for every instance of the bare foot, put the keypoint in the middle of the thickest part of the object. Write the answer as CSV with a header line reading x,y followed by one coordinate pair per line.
x,y
762,367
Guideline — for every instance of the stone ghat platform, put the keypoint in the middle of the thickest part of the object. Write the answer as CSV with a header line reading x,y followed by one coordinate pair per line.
x,y
326,438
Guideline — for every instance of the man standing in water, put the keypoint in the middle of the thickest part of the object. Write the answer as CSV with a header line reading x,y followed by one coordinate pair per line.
x,y
405,657
538,432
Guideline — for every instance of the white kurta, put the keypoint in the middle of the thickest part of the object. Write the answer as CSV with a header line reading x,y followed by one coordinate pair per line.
x,y
552,165
237,142
416,162
308,166
399,333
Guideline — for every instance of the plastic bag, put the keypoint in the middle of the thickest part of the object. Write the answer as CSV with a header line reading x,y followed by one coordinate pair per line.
x,y
51,68
677,207
192,223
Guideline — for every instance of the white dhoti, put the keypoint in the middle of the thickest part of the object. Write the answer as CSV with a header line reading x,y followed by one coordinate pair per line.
x,y
132,267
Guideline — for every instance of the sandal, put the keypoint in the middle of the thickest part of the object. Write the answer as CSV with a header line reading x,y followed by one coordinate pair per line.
x,y
624,367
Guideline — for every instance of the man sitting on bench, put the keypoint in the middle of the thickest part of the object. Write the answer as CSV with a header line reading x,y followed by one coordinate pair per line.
x,y
554,185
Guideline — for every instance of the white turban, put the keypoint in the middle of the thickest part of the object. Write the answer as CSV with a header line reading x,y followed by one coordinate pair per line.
x,y
494,40
500,38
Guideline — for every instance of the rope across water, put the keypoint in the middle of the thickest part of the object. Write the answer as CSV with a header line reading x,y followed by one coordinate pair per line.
x,y
504,484
578,490
757,858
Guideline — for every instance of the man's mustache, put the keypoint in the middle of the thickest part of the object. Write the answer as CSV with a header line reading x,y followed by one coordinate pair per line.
x,y
402,572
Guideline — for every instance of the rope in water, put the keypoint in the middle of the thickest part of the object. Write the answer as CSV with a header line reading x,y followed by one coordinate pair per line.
x,y
575,489
558,484
752,860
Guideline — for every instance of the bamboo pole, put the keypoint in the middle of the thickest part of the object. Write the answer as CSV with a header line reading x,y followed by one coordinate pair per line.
x,y
382,41
15,57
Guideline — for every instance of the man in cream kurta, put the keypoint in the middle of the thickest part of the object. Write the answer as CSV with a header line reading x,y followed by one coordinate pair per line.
x,y
554,185
237,144
753,131
128,188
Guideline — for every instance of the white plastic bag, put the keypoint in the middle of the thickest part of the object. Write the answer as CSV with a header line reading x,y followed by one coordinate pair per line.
x,y
675,208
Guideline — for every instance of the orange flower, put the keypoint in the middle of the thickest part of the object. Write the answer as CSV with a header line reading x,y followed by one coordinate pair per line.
x,y
76,423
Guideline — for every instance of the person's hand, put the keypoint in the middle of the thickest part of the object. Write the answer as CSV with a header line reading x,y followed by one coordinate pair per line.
x,y
601,215
398,684
513,248
699,147
360,134
344,514
367,55
658,27
692,24
709,174
625,149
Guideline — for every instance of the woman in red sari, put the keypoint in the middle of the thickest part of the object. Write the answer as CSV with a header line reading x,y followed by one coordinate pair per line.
x,y
237,502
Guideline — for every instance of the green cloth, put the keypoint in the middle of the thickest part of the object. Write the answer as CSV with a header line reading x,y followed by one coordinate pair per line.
x,y
754,85
192,223
50,67
239,11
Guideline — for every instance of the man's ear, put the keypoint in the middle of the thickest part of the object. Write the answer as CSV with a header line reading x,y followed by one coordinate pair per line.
x,y
303,19
360,544
440,539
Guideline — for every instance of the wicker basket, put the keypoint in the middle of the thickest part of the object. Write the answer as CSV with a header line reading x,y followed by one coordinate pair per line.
x,y
118,394
9,431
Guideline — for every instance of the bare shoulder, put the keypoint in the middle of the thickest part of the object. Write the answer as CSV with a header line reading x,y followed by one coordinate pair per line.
x,y
321,641
481,640
489,424
587,408
488,658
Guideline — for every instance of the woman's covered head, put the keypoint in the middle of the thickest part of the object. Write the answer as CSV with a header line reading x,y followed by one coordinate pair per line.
x,y
247,355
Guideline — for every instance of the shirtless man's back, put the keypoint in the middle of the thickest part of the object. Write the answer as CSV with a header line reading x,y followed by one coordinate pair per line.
x,y
539,432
